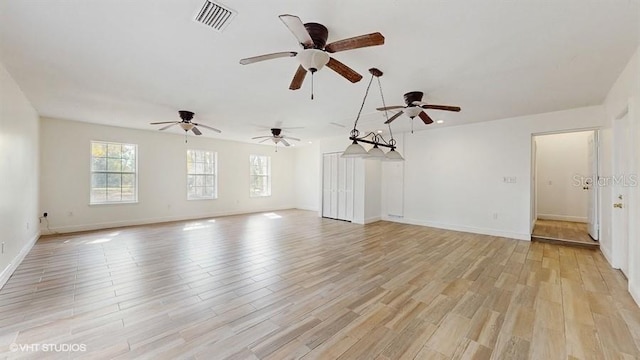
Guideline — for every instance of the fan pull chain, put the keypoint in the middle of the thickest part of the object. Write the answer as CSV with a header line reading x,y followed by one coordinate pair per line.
x,y
412,126
312,84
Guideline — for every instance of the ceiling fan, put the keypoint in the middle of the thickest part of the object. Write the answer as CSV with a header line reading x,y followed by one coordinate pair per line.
x,y
314,55
414,107
276,137
185,124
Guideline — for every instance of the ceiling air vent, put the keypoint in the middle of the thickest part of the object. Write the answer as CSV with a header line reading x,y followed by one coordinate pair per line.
x,y
215,15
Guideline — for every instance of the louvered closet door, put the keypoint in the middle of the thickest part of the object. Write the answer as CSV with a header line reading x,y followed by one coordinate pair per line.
x,y
329,204
337,187
345,189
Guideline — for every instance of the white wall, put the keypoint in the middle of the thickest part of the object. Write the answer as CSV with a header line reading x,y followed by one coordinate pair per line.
x,y
307,177
623,96
561,160
18,175
65,180
453,176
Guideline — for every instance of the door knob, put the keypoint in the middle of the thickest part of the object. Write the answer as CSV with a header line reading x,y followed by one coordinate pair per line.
x,y
617,205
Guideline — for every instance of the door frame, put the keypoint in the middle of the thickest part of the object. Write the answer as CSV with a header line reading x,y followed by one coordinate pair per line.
x,y
533,168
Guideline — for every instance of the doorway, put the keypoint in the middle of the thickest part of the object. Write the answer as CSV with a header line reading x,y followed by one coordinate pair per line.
x,y
564,195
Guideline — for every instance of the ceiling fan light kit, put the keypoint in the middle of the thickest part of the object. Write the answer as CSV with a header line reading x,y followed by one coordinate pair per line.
x,y
356,150
313,59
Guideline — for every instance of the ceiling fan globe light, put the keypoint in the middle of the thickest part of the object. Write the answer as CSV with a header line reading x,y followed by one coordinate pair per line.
x,y
313,59
186,126
412,111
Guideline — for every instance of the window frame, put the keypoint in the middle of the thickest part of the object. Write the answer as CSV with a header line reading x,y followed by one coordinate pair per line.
x,y
93,172
252,176
214,168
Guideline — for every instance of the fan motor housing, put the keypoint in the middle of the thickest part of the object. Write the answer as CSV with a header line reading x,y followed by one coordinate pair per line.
x,y
412,96
186,115
276,132
319,34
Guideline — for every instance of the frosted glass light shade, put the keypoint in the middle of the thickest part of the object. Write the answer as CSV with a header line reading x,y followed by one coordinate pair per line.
x,y
355,150
376,153
393,155
313,59
412,111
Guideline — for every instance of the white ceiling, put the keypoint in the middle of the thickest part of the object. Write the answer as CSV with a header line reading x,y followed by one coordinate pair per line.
x,y
128,63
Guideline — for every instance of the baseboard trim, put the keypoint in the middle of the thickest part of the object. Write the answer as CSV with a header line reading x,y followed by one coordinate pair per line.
x,y
372,220
462,228
117,224
563,218
13,265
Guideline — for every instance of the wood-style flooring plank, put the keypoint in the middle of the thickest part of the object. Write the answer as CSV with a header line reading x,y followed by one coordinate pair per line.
x,y
301,287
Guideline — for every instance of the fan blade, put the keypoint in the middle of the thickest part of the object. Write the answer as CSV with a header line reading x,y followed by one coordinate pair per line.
x,y
168,126
394,117
284,142
344,70
390,107
437,107
255,59
356,42
290,138
268,137
207,127
298,78
196,131
260,137
162,122
425,118
295,25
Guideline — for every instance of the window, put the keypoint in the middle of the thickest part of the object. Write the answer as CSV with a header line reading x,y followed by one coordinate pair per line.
x,y
114,170
201,175
260,173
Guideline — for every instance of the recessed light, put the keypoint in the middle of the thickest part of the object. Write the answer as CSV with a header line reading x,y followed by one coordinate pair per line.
x,y
310,142
439,121
379,131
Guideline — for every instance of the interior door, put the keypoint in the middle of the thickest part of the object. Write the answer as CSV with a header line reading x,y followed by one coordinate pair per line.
x,y
621,170
337,187
591,186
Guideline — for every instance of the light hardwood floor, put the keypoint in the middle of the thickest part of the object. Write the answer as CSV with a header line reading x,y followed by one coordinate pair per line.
x,y
292,285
